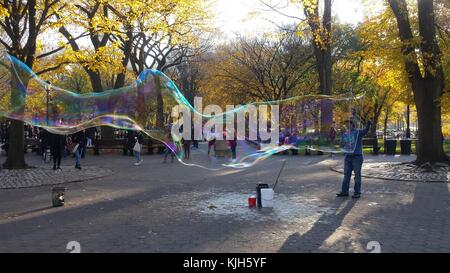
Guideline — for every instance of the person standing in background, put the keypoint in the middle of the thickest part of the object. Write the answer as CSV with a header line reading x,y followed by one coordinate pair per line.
x,y
137,148
233,146
186,147
171,148
57,145
211,143
79,139
130,141
90,136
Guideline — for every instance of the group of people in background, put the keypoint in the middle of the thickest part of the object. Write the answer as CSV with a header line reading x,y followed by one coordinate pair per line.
x,y
58,146
61,146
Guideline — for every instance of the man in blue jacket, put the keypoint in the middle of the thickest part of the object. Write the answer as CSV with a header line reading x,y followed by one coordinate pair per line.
x,y
353,161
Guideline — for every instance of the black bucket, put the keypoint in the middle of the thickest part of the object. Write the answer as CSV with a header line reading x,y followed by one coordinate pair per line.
x,y
58,196
258,193
405,145
390,145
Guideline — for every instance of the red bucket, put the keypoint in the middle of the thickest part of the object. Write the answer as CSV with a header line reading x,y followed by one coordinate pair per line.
x,y
252,202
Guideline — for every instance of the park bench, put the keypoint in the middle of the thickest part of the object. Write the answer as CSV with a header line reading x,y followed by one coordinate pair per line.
x,y
371,143
29,143
110,144
152,146
221,149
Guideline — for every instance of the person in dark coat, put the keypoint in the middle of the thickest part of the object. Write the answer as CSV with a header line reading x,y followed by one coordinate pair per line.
x,y
84,143
171,148
233,146
130,141
44,140
90,136
57,145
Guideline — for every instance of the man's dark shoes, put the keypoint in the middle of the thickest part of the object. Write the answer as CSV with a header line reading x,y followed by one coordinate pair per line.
x,y
342,194
356,195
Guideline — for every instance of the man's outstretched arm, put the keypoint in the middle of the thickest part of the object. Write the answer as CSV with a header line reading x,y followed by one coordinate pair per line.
x,y
366,129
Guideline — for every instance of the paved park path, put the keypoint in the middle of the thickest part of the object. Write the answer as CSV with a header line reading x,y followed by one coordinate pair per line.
x,y
160,207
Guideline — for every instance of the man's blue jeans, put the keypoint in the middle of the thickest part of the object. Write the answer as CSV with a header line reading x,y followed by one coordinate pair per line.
x,y
78,156
352,163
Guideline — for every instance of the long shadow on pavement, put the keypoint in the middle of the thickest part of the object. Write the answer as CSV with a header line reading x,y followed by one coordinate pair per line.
x,y
325,226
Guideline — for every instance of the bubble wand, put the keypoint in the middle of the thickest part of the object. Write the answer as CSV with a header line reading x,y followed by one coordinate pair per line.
x,y
276,181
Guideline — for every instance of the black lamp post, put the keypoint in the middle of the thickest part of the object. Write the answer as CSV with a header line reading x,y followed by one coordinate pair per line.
x,y
405,144
408,130
47,90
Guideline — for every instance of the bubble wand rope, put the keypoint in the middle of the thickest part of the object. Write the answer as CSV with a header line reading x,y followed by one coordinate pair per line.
x,y
282,167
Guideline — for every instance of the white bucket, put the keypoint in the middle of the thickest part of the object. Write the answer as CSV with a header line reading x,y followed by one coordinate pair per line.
x,y
267,198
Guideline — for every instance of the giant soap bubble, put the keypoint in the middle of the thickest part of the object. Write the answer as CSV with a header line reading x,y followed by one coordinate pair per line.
x,y
154,105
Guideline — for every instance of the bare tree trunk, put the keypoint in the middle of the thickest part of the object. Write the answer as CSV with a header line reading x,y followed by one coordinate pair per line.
x,y
159,104
408,129
430,138
323,63
386,118
427,86
322,51
127,48
16,157
107,132
373,129
327,89
378,107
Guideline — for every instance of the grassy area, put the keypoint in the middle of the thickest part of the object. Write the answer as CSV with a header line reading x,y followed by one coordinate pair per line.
x,y
368,150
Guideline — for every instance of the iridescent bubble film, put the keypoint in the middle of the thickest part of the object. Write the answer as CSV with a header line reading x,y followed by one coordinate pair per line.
x,y
155,106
